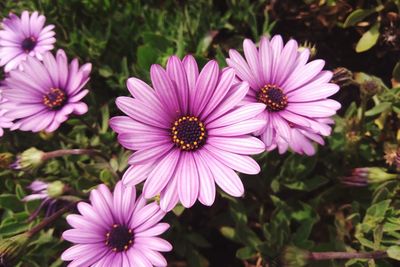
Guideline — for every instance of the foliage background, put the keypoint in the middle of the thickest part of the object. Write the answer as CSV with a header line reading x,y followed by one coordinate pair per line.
x,y
296,200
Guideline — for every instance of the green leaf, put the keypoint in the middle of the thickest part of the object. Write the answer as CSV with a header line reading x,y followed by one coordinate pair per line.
x,y
205,42
106,71
394,252
377,212
228,232
356,16
396,72
146,55
308,184
245,253
178,210
105,117
11,202
369,38
198,240
247,235
156,40
378,109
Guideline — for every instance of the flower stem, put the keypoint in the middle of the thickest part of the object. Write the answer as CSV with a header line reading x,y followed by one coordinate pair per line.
x,y
364,101
64,152
317,256
50,219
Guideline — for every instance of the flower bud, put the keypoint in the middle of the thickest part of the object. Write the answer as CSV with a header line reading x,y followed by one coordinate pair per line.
x,y
5,160
295,257
12,248
342,77
368,175
55,189
369,85
30,159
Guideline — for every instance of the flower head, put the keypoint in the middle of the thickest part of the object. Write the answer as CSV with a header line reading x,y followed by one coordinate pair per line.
x,y
116,229
188,132
294,93
43,94
22,37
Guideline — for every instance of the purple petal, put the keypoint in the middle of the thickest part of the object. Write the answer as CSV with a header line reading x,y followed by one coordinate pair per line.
x,y
165,90
207,183
188,180
225,177
176,72
224,85
205,86
161,174
239,114
245,145
136,174
240,163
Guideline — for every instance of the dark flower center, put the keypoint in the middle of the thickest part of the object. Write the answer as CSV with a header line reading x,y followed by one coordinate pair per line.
x,y
28,44
55,99
273,97
120,238
188,133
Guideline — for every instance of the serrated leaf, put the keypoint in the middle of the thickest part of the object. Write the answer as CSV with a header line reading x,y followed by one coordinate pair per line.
x,y
369,39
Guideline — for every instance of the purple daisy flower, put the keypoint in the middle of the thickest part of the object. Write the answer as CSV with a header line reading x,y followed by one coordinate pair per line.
x,y
43,94
23,37
116,230
294,93
188,132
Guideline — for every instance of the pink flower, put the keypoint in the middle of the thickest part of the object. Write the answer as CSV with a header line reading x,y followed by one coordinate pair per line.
x,y
23,37
43,94
116,229
188,132
294,93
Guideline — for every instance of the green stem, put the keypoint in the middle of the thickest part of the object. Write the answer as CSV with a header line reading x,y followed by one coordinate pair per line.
x,y
50,219
318,256
364,101
64,152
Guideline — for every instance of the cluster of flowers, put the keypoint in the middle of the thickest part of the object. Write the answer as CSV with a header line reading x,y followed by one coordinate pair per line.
x,y
190,130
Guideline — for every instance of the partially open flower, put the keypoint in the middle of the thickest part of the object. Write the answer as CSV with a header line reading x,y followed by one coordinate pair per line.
x,y
342,77
368,175
369,85
49,193
30,159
